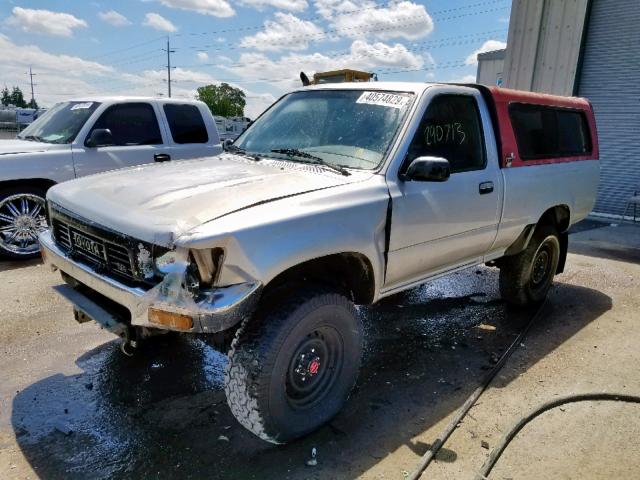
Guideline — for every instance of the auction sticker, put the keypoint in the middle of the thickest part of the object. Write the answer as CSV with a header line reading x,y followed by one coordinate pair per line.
x,y
81,106
384,99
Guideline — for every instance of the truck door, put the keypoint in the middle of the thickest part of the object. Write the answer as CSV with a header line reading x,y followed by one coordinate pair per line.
x,y
439,226
136,139
189,134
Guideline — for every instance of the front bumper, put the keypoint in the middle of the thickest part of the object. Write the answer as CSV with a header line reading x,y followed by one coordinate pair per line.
x,y
223,308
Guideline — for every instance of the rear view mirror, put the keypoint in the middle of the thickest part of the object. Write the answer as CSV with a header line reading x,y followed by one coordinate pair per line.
x,y
99,137
428,169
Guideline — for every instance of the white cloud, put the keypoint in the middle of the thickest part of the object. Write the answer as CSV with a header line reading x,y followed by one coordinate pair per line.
x,y
291,5
462,79
363,18
158,22
25,55
283,73
286,32
114,18
488,46
44,21
202,56
215,8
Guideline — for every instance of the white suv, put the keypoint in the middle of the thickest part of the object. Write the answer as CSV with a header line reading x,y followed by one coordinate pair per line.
x,y
86,136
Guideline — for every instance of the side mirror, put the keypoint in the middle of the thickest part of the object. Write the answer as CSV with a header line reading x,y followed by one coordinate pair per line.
x,y
428,169
226,144
100,137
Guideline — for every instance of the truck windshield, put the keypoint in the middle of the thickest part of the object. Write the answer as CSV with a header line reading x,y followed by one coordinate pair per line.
x,y
346,128
60,124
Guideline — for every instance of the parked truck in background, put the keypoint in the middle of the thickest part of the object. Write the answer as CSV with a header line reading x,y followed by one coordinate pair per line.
x,y
86,136
338,195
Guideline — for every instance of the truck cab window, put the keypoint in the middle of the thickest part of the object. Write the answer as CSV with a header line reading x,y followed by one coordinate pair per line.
x,y
451,128
186,123
131,124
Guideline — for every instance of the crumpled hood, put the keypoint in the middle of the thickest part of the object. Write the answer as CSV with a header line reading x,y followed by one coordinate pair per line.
x,y
158,203
15,146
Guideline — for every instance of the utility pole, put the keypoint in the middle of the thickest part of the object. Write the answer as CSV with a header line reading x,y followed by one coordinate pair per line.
x,y
169,52
31,74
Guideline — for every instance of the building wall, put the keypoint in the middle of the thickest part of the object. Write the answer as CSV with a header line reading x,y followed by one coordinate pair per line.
x,y
610,79
490,68
534,60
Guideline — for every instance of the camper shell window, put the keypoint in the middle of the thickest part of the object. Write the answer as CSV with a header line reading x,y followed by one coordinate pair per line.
x,y
549,132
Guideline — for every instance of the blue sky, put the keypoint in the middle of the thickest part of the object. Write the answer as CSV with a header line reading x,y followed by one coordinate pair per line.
x,y
79,48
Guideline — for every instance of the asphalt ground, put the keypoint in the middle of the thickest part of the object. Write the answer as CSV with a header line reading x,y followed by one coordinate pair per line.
x,y
72,406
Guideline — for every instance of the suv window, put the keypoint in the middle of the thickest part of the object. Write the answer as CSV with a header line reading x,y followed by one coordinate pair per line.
x,y
131,124
186,123
549,132
451,128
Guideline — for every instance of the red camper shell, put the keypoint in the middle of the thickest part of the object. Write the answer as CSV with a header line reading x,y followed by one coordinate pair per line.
x,y
535,128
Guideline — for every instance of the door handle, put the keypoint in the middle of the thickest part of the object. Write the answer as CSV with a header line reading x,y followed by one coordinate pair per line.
x,y
161,157
485,187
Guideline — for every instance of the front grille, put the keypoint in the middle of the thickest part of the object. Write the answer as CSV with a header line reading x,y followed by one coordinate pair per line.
x,y
105,251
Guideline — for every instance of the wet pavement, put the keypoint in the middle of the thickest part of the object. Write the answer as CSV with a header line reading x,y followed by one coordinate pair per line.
x,y
73,406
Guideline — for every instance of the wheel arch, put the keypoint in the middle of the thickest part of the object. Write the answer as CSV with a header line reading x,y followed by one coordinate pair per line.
x,y
559,217
350,273
43,183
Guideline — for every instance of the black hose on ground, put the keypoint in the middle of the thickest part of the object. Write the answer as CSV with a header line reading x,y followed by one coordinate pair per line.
x,y
556,402
473,398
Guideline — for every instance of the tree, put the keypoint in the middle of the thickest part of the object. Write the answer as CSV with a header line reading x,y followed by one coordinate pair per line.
x,y
17,98
33,104
6,97
223,99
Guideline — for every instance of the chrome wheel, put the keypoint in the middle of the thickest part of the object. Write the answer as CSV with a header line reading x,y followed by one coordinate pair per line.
x,y
22,218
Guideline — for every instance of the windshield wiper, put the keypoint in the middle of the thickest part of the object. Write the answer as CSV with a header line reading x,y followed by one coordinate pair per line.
x,y
31,137
243,152
295,152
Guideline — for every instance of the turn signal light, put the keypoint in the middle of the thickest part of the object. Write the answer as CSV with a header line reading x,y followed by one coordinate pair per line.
x,y
170,319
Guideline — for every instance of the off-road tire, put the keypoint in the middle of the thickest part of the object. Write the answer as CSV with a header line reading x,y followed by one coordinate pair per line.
x,y
267,347
12,191
520,285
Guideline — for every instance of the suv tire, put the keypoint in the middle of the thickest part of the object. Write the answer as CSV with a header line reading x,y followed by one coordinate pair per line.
x,y
292,367
22,217
525,278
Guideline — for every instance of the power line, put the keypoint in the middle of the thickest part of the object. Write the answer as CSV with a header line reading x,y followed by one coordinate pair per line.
x,y
341,14
427,45
324,34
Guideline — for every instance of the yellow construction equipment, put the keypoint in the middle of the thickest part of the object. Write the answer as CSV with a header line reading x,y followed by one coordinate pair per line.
x,y
338,76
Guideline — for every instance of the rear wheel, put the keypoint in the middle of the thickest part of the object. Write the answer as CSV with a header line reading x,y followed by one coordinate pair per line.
x,y
526,278
291,369
22,218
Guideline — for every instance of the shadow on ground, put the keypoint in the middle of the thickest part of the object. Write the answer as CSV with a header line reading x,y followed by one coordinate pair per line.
x,y
162,413
6,265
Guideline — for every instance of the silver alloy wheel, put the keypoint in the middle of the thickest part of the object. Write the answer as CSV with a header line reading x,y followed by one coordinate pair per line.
x,y
22,218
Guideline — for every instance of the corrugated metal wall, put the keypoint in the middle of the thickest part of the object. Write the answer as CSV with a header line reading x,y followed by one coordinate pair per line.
x,y
610,79
544,45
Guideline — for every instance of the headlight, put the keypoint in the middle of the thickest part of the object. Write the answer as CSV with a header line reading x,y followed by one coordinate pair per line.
x,y
208,263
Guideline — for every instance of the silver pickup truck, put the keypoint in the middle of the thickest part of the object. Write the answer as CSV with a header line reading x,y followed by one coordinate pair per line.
x,y
337,195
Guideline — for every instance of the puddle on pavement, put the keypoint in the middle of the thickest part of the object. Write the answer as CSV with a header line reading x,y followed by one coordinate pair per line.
x,y
161,413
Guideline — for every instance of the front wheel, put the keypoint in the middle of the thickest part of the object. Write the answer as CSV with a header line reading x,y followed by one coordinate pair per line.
x,y
525,278
22,218
291,369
